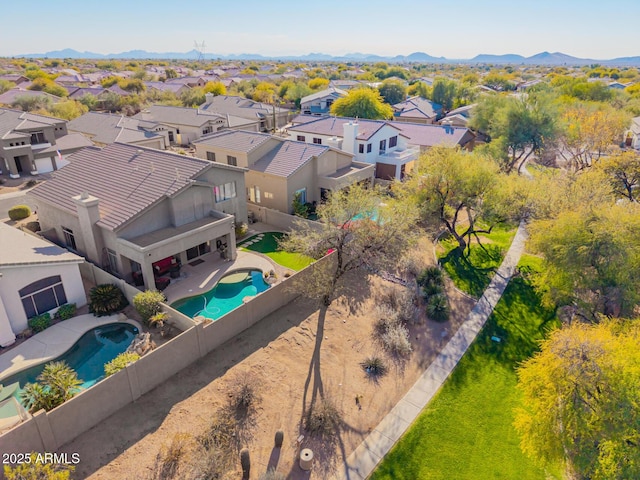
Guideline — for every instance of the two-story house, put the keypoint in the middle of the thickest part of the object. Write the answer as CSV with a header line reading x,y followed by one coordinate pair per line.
x,y
129,209
29,143
278,169
319,103
417,110
391,146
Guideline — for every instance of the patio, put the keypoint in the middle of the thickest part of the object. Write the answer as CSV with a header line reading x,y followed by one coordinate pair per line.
x,y
202,276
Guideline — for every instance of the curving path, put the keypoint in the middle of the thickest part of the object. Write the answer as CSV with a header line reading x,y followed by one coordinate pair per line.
x,y
364,459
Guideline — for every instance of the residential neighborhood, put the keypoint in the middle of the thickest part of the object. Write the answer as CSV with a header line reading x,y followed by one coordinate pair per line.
x,y
309,263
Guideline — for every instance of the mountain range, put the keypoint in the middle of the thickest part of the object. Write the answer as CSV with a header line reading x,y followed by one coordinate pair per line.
x,y
543,58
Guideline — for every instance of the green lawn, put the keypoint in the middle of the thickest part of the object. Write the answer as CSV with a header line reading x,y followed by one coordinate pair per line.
x,y
466,432
472,274
269,247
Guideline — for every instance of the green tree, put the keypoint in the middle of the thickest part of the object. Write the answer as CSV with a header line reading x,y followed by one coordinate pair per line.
x,y
193,97
318,83
170,73
6,85
393,91
29,104
135,85
591,255
148,303
420,89
454,188
299,208
216,88
580,401
56,384
357,244
444,93
362,103
623,172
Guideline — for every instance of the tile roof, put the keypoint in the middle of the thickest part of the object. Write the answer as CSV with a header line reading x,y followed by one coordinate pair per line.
x,y
240,107
109,128
126,179
331,91
12,120
166,87
287,158
10,96
334,126
20,248
72,141
419,107
237,140
177,115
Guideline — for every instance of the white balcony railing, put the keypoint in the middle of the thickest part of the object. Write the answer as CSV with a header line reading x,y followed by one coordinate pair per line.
x,y
404,155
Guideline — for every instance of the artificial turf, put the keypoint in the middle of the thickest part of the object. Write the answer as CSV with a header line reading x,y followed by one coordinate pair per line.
x,y
466,432
268,246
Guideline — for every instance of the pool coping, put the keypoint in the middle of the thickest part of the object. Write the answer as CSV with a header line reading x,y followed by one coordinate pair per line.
x,y
53,342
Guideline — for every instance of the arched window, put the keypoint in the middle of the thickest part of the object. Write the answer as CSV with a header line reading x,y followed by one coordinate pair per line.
x,y
43,295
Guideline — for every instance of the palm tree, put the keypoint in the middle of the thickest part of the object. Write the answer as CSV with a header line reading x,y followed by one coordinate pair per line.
x,y
56,384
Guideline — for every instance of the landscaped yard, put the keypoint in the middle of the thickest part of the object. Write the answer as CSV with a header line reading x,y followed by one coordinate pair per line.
x,y
268,246
472,274
466,432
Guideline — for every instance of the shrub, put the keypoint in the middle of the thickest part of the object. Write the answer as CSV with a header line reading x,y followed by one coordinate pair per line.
x,y
120,362
241,229
158,319
323,419
33,469
56,384
171,455
396,340
221,432
31,183
438,308
65,312
243,390
147,303
106,299
431,275
39,322
374,366
19,212
400,301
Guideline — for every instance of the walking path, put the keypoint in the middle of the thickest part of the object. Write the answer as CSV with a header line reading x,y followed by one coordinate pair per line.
x,y
366,457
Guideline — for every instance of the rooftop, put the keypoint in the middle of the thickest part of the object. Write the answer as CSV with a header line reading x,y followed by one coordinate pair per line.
x,y
20,249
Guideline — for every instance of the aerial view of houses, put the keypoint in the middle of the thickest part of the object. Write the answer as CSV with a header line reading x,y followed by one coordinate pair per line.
x,y
253,261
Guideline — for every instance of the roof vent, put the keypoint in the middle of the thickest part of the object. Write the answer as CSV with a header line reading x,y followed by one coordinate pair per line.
x,y
140,152
152,167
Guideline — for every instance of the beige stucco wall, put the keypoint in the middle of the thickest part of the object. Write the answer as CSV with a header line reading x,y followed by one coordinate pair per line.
x,y
15,278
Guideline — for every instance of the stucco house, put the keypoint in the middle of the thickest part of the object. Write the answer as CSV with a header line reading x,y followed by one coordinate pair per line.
x,y
35,277
130,210
277,169
320,102
261,116
33,144
632,136
417,110
391,146
106,128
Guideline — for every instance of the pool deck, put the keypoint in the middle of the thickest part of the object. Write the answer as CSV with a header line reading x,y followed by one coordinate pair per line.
x,y
196,280
53,342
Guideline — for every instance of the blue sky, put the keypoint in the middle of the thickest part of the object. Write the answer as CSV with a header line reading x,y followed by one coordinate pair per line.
x,y
597,29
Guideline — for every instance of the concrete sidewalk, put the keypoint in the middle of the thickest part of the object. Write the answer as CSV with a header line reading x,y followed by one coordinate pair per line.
x,y
366,457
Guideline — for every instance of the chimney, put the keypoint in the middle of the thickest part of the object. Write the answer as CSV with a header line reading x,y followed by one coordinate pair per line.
x,y
349,138
208,97
88,216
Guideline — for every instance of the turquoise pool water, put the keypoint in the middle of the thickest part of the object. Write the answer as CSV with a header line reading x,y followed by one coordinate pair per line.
x,y
225,296
88,355
373,216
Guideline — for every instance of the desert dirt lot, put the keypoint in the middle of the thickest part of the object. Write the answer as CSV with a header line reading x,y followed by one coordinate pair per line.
x,y
299,356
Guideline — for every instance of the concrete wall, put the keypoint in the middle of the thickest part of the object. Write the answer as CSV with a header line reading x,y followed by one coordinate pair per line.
x,y
48,431
283,221
13,279
98,277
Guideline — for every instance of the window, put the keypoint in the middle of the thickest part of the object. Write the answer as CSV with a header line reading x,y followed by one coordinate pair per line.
x,y
171,136
211,156
317,141
198,250
232,160
254,194
225,192
37,137
303,195
361,148
368,148
42,296
207,130
113,261
383,145
268,195
393,141
69,238
301,138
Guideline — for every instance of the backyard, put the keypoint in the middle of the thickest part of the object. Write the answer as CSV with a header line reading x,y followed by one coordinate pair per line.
x,y
466,432
267,244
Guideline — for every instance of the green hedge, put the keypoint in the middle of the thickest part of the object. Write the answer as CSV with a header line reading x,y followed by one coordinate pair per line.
x,y
40,322
65,311
19,212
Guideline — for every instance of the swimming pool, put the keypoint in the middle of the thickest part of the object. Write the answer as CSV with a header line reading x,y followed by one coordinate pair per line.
x,y
225,296
87,356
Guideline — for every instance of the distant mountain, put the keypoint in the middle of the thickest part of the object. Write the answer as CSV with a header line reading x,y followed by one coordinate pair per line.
x,y
542,58
501,59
